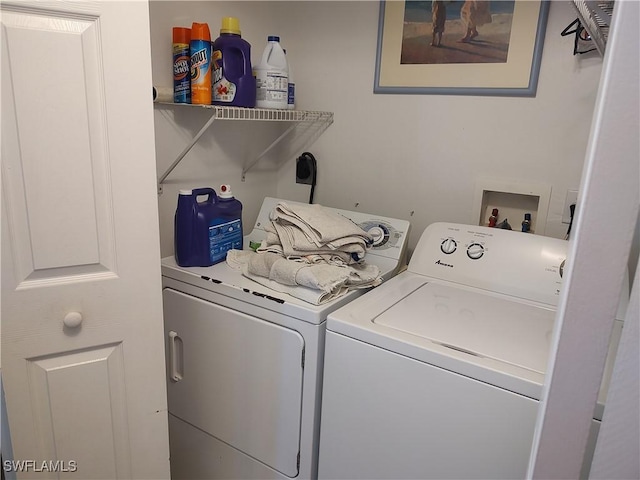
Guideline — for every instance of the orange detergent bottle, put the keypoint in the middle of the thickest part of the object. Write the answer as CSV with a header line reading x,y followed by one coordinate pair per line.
x,y
200,50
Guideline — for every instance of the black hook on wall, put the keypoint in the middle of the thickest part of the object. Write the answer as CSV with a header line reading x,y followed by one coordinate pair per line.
x,y
582,42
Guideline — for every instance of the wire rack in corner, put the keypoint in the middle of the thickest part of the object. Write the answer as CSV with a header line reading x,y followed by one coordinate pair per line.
x,y
596,19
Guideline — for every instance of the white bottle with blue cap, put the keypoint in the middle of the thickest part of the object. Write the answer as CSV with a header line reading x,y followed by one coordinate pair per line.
x,y
272,76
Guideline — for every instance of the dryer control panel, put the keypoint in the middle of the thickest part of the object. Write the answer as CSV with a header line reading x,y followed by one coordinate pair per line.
x,y
390,235
513,263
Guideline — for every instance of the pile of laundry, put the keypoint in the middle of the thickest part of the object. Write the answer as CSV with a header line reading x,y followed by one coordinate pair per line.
x,y
310,252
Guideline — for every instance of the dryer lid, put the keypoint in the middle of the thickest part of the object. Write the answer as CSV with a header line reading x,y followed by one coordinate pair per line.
x,y
480,324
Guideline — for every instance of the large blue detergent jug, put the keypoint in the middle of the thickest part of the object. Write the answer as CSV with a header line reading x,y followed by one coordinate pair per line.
x,y
204,231
191,227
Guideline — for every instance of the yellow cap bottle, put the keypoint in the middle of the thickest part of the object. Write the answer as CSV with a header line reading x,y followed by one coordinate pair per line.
x,y
230,25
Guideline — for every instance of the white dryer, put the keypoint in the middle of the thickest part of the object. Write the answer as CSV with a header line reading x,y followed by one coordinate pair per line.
x,y
244,364
438,373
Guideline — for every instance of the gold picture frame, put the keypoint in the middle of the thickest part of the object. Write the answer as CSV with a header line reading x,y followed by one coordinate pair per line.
x,y
410,61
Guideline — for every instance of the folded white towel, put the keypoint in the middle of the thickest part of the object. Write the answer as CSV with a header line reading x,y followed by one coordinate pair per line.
x,y
317,256
309,295
330,280
287,239
269,265
294,240
320,225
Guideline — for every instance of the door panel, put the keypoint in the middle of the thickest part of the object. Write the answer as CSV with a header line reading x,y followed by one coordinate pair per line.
x,y
57,173
97,409
238,378
82,339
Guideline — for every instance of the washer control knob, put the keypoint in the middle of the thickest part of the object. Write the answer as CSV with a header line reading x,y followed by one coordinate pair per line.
x,y
561,270
475,251
448,246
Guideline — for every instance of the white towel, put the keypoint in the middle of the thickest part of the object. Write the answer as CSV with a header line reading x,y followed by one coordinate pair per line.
x,y
320,225
334,257
329,281
341,240
294,240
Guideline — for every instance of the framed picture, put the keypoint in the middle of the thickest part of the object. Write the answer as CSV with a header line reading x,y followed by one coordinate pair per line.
x,y
472,47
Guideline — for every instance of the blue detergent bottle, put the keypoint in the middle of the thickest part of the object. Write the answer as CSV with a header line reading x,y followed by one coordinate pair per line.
x,y
233,83
192,221
225,232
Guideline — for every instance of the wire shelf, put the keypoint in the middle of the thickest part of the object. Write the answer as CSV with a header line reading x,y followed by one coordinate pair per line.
x,y
257,114
321,120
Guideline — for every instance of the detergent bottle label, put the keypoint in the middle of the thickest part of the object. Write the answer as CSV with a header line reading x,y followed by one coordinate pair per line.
x,y
201,72
223,90
273,86
181,74
224,236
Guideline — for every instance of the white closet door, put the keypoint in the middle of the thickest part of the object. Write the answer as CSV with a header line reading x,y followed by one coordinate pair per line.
x,y
82,348
597,260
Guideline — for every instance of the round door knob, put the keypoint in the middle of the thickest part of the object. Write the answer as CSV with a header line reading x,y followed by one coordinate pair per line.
x,y
72,319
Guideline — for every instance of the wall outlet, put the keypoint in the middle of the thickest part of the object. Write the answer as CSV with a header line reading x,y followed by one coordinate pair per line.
x,y
571,199
305,170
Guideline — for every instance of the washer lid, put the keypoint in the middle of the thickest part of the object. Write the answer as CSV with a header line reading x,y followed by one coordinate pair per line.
x,y
479,324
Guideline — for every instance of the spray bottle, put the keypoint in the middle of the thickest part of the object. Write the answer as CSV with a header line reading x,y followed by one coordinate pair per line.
x,y
181,69
200,49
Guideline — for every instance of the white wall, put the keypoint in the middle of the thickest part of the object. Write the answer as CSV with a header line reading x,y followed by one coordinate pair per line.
x,y
391,154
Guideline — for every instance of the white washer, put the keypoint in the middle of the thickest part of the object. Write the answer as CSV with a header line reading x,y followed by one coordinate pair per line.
x,y
245,364
438,372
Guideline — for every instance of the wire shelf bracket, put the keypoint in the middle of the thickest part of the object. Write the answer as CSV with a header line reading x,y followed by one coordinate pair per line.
x,y
297,117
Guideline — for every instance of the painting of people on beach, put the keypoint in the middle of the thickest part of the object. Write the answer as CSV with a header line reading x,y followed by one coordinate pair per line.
x,y
451,32
460,47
